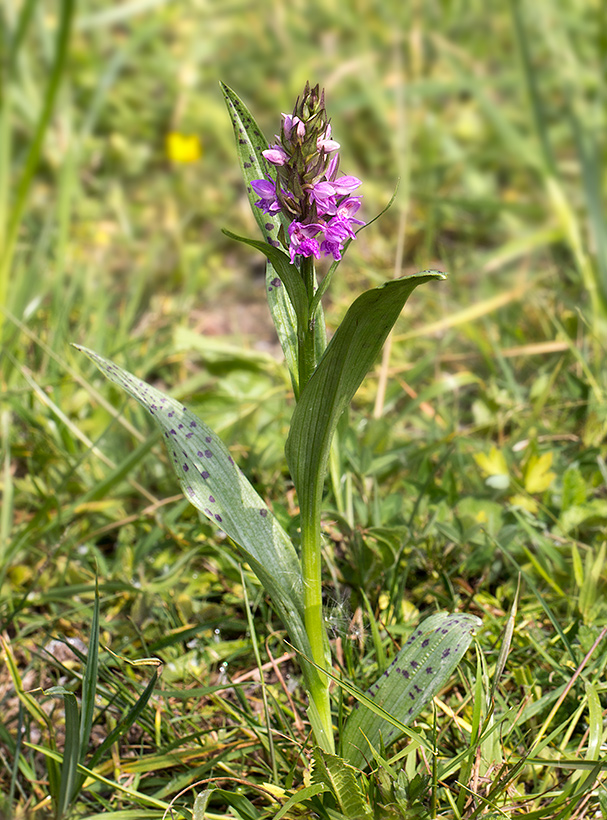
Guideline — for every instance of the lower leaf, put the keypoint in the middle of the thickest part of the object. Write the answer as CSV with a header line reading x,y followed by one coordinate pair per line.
x,y
415,675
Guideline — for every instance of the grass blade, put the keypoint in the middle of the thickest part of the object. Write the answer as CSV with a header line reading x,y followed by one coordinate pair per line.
x,y
71,750
89,680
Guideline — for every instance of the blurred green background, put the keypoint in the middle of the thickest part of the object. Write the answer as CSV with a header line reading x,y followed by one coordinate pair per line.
x,y
434,93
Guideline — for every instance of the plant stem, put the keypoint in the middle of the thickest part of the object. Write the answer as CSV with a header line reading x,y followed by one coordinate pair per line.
x,y
315,628
311,560
305,334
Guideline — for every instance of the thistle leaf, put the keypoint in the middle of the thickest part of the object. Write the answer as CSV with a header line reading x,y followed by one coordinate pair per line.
x,y
419,670
213,483
343,780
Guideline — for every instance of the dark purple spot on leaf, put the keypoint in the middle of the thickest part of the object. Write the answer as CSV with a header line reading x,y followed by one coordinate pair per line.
x,y
263,513
192,424
211,499
204,474
429,670
446,652
185,468
417,689
208,439
406,674
426,642
269,226
414,664
208,454
218,518
411,695
276,282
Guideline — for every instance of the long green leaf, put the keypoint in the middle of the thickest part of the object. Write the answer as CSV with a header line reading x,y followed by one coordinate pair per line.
x,y
419,670
23,186
71,751
214,484
250,143
89,679
347,359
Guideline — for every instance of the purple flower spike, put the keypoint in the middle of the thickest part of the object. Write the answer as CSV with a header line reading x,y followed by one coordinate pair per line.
x,y
318,204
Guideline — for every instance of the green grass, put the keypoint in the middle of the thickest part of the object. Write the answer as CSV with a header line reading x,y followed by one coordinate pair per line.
x,y
482,465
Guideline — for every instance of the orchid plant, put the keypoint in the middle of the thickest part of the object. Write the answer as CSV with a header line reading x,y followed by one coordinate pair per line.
x,y
307,209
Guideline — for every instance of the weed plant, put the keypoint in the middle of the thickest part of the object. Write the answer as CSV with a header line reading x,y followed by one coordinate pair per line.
x,y
144,667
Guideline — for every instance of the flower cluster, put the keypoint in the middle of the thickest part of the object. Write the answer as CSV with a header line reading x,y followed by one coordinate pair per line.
x,y
307,190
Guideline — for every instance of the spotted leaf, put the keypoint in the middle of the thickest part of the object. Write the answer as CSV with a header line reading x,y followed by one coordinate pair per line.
x,y
214,484
415,675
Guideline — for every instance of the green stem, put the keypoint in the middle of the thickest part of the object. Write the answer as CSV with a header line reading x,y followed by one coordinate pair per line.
x,y
305,333
311,561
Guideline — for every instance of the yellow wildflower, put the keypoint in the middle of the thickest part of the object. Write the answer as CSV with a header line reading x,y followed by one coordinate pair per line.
x,y
183,147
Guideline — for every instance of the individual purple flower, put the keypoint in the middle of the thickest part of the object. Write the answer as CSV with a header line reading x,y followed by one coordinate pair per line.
x,y
290,122
346,185
346,210
303,239
326,145
266,190
276,155
323,194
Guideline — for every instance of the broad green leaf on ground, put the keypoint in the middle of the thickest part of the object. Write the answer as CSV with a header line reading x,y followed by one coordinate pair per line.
x,y
347,359
215,485
417,673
